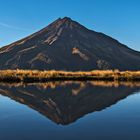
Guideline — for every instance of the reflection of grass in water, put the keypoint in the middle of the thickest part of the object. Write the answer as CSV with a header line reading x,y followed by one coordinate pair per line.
x,y
81,84
42,76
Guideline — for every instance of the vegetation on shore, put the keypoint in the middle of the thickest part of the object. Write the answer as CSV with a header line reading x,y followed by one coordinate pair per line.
x,y
43,76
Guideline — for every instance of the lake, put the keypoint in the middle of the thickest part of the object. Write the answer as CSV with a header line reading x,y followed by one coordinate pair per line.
x,y
70,110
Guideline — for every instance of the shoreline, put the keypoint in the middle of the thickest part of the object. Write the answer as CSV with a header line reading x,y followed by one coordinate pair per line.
x,y
31,76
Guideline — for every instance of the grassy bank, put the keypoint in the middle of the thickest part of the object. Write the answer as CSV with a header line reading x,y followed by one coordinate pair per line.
x,y
43,76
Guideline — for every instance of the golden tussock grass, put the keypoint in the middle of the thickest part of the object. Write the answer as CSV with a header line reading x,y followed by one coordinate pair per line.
x,y
36,75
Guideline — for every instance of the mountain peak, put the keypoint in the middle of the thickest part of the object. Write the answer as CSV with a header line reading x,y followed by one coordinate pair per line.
x,y
65,22
66,19
60,28
67,45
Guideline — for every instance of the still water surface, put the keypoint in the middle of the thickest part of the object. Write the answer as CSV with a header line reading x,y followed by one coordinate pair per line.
x,y
69,110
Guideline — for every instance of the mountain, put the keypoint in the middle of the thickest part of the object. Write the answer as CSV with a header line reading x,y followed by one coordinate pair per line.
x,y
67,45
66,102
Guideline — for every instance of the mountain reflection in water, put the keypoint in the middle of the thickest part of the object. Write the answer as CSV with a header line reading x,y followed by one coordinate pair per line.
x,y
65,102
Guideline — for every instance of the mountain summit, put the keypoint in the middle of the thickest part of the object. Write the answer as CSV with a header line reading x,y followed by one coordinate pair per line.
x,y
67,45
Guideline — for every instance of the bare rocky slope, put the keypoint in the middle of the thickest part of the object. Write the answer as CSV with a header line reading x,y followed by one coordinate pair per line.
x,y
67,45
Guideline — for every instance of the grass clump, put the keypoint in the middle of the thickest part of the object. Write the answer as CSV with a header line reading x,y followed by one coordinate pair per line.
x,y
42,76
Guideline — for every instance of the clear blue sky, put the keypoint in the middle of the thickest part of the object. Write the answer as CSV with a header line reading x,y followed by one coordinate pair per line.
x,y
117,18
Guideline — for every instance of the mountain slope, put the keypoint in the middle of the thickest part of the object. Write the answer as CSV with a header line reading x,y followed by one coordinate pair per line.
x,y
67,45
